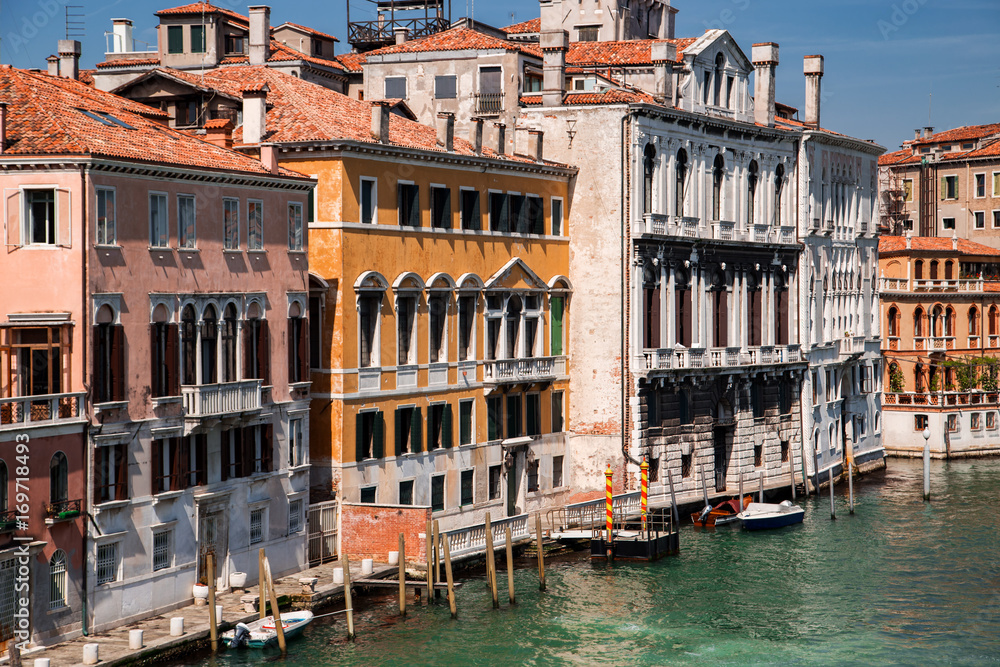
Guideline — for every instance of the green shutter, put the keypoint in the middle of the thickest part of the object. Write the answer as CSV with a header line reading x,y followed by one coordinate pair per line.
x,y
465,425
477,215
416,431
175,39
944,188
378,437
399,433
446,426
359,437
996,184
556,311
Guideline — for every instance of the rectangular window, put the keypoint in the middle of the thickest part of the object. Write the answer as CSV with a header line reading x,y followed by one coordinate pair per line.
x,y
296,444
107,223
536,215
406,492
908,189
534,414
471,217
980,186
112,473
466,321
235,44
368,495
557,471
556,328
295,235
991,421
980,218
369,200
370,434
533,477
953,423
231,223
409,426
159,230
315,330
255,224
465,424
438,426
445,87
107,563
175,39
408,204
557,412
395,87
517,214
498,212
495,487
257,525
948,223
468,479
162,556
949,187
197,39
109,363
437,305
369,308
996,219
557,217
437,493
996,183
294,516
513,415
919,422
186,232
298,349
494,418
406,309
440,207
976,421
587,34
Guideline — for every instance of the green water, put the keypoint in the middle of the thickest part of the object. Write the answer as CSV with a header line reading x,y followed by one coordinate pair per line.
x,y
899,582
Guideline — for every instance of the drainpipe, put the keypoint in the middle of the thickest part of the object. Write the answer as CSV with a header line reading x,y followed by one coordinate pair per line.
x,y
626,168
85,290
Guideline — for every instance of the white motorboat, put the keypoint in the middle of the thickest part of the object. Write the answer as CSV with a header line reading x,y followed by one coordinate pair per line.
x,y
758,516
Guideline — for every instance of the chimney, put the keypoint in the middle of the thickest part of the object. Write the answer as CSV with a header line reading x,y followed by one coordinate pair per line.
x,y
664,55
671,20
765,61
446,130
928,132
535,145
260,34
269,157
476,135
909,240
121,36
219,131
916,134
501,146
53,62
954,240
380,121
554,45
254,112
812,67
69,58
3,127
401,33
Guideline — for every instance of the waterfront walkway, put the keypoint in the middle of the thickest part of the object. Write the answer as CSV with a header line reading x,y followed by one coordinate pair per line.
x,y
159,645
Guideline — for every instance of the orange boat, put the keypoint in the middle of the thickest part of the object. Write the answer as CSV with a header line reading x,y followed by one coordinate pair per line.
x,y
723,513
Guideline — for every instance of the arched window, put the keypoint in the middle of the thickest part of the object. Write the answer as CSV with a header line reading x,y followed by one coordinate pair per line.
x,y
720,311
918,323
513,317
918,269
948,268
752,175
58,479
754,310
651,302
3,486
780,311
209,346
937,325
949,321
718,174
934,269
918,379
779,182
189,344
648,164
973,321
682,308
893,327
57,580
680,173
720,64
816,442
994,323
229,329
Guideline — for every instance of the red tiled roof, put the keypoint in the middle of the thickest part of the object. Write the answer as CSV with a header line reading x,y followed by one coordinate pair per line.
x,y
898,157
352,62
631,52
45,117
456,39
611,96
281,53
201,8
127,62
531,25
966,133
307,29
897,244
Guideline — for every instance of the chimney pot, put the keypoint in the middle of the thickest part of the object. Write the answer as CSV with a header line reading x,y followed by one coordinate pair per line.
x,y
501,138
535,144
812,67
928,131
269,157
69,58
554,44
53,62
476,135
401,34
254,113
3,127
765,61
260,34
446,130
219,131
916,134
121,36
380,121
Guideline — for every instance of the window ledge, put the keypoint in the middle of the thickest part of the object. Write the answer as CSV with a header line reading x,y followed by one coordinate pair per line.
x,y
189,250
110,405
232,251
167,495
260,251
164,248
111,505
300,385
165,400
292,470
107,246
297,252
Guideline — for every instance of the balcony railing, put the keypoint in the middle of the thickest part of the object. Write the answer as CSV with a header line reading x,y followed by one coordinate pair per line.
x,y
25,411
472,539
945,398
726,231
368,34
8,522
971,285
489,104
524,370
63,509
721,357
207,400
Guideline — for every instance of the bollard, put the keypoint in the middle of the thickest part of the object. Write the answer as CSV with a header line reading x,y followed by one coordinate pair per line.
x,y
367,565
608,508
135,639
393,558
176,626
42,662
402,575
91,654
927,464
218,613
338,575
644,497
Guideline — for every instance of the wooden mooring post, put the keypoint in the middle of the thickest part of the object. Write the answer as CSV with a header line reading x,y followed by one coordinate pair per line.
x,y
213,622
510,564
541,552
402,575
704,486
850,485
348,601
833,508
741,491
261,585
760,495
429,542
447,574
275,610
437,558
491,566
673,499
791,473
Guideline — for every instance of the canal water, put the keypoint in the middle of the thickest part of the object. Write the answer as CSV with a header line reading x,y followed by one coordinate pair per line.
x,y
899,582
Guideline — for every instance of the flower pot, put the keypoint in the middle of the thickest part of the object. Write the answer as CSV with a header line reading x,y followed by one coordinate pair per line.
x,y
200,592
237,579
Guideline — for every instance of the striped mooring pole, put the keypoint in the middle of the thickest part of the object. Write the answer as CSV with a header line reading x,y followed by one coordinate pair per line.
x,y
645,492
608,506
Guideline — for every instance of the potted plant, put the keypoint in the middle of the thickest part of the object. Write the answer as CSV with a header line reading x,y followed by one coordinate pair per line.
x,y
237,580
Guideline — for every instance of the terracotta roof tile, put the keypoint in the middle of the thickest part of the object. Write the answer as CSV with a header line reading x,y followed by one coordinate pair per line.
x,y
611,96
456,39
967,133
898,157
531,25
201,8
128,62
281,53
46,116
352,62
306,29
632,52
897,244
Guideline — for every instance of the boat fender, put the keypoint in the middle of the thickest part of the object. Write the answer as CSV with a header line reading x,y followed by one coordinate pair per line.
x,y
242,635
786,503
704,513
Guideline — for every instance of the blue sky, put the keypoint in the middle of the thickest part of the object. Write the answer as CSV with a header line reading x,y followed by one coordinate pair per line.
x,y
883,57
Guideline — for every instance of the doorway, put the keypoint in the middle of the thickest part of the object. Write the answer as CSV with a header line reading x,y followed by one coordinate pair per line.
x,y
213,537
721,439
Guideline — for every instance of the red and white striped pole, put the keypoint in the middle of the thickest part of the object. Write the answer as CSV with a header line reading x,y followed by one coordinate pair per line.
x,y
608,506
645,491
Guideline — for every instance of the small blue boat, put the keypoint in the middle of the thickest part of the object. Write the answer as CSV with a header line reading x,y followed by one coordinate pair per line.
x,y
759,516
262,633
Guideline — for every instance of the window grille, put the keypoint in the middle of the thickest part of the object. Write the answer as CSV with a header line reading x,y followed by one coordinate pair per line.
x,y
161,550
57,580
256,526
295,516
107,563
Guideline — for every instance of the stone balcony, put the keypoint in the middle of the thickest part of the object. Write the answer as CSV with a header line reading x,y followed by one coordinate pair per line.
x,y
921,285
720,357
514,371
50,409
213,400
655,225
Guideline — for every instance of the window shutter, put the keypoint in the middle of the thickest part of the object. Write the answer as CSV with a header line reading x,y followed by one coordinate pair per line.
x,y
201,458
944,188
399,433
100,370
249,345
415,207
504,222
64,218
226,460
121,479
157,365
244,458
378,438
303,349
291,350
264,353
401,211
359,437
157,468
477,214
172,361
556,312
117,363
416,430
267,447
446,426
654,316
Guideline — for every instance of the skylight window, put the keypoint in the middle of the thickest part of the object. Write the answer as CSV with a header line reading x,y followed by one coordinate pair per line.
x,y
104,118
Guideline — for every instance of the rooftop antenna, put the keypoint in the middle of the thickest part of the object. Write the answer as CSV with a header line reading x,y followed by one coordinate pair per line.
x,y
74,22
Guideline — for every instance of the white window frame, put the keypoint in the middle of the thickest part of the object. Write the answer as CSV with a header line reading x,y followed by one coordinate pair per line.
x,y
946,178
296,439
376,353
374,196
239,225
262,510
444,353
299,235
905,181
976,216
25,214
473,340
97,221
414,337
444,492
361,491
250,247
293,528
413,491
182,242
406,86
472,421
975,186
562,216
168,533
116,557
60,602
460,473
996,183
164,220
996,218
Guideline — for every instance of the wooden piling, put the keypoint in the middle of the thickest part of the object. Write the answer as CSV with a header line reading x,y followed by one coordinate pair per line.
x,y
213,622
510,564
14,653
402,575
805,479
760,495
833,509
741,491
437,557
816,470
491,566
447,574
275,610
673,499
541,552
850,485
704,486
261,585
348,601
791,473
429,550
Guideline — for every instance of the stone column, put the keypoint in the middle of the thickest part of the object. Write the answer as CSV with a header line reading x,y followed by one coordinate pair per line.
x,y
197,352
667,300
